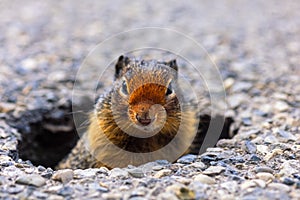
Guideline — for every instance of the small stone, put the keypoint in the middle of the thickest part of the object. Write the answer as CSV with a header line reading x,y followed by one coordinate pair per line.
x,y
187,159
228,83
40,195
167,196
55,197
29,64
271,139
181,191
198,165
250,147
208,158
32,179
264,169
98,187
246,121
157,168
231,186
273,153
136,172
41,168
254,158
162,173
64,175
241,87
236,100
112,196
286,135
248,184
6,107
86,173
279,187
214,170
289,167
57,76
65,191
265,176
259,183
118,173
281,106
262,149
14,189
204,179
288,181
139,192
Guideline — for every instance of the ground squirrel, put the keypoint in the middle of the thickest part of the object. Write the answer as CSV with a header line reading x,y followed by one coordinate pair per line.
x,y
142,114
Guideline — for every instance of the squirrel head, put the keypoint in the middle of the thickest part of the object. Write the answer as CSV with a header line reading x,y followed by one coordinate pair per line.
x,y
145,95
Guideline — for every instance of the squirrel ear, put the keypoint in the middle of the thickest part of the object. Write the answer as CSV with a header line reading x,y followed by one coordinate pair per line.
x,y
173,64
122,62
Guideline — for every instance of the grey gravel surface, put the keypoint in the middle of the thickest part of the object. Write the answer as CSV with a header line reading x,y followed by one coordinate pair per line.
x,y
256,45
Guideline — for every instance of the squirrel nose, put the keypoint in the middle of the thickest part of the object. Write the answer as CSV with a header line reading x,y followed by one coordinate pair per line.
x,y
143,118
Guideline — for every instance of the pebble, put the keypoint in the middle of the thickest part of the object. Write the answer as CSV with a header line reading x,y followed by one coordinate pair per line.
x,y
285,134
236,100
181,191
250,147
264,169
271,139
136,172
87,173
157,168
198,165
279,186
32,179
167,196
241,87
204,179
272,154
65,191
187,159
64,175
118,173
55,197
112,196
41,168
262,149
6,107
289,167
231,186
267,177
214,170
40,195
228,83
288,181
248,184
254,158
14,189
29,64
281,106
162,173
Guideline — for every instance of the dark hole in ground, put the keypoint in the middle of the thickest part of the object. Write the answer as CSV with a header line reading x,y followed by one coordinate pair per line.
x,y
48,138
204,123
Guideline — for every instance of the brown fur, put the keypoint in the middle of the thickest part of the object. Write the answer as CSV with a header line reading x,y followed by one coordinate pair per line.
x,y
115,137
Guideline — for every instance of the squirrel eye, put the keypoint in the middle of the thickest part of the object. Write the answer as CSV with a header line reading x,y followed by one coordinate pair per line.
x,y
124,88
169,90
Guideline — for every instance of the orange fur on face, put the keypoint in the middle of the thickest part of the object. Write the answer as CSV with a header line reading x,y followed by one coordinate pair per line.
x,y
143,98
